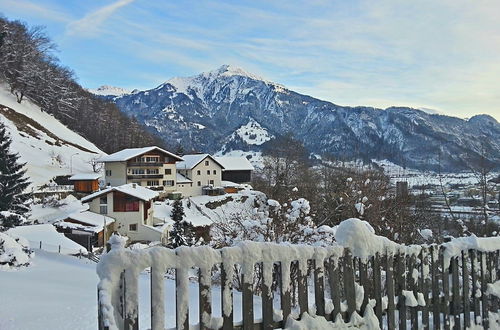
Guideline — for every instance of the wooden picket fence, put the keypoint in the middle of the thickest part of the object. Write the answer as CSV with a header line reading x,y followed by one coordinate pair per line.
x,y
455,297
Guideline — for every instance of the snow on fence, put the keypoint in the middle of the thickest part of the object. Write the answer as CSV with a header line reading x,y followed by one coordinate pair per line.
x,y
425,287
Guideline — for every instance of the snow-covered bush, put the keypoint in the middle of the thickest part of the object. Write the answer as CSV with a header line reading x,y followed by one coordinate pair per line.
x,y
14,252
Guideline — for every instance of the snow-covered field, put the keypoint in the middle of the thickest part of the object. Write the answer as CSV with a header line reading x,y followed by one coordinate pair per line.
x,y
47,146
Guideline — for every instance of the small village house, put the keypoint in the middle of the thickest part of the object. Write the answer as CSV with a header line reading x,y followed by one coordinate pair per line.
x,y
202,175
85,182
130,205
88,229
236,169
151,167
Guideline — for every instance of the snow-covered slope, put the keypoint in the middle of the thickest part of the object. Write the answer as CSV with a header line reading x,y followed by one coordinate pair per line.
x,y
47,146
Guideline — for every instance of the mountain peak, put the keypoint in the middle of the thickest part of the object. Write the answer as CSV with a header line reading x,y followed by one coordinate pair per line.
x,y
229,70
106,90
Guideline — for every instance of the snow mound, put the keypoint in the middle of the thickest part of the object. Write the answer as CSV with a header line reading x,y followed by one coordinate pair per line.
x,y
359,236
14,252
455,247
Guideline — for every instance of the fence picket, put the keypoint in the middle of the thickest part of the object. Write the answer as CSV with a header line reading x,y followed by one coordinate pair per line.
x,y
286,303
363,279
227,304
474,272
205,297
446,290
247,302
319,287
334,281
483,283
389,279
401,285
424,286
267,297
456,293
349,288
302,286
157,298
436,310
377,287
465,289
182,296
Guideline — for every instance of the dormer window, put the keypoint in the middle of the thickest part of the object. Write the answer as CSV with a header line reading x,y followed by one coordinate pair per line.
x,y
207,163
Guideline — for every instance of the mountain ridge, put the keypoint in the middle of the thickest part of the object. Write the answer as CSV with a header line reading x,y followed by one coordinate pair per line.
x,y
203,111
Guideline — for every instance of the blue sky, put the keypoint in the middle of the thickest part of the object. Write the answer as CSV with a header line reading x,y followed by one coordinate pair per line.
x,y
442,55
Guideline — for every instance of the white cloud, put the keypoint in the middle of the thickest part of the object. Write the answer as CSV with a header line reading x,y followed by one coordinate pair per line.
x,y
90,24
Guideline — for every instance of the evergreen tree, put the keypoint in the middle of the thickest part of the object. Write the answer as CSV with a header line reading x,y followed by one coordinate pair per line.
x,y
182,232
13,182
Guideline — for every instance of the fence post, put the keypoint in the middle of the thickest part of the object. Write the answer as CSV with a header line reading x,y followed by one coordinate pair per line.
x,y
205,297
424,286
40,245
456,293
267,295
157,298
474,272
302,268
484,298
247,296
377,287
446,290
466,294
182,297
227,298
401,286
286,304
436,303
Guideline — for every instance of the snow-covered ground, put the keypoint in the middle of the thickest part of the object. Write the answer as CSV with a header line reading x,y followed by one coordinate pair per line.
x,y
60,292
44,213
47,146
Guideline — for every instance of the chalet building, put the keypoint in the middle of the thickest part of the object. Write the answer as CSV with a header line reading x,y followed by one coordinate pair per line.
x,y
85,182
150,167
201,175
236,169
87,228
130,205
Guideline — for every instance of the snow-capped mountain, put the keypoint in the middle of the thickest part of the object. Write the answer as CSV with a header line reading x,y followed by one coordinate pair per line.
x,y
231,109
48,147
106,90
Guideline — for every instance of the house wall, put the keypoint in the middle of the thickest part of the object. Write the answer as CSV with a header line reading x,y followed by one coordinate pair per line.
x,y
118,173
237,176
86,185
124,219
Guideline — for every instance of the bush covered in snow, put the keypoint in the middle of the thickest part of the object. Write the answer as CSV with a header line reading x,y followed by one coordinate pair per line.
x,y
14,252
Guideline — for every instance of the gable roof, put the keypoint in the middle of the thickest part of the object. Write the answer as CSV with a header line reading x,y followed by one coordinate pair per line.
x,y
91,218
126,154
190,161
85,176
235,163
131,189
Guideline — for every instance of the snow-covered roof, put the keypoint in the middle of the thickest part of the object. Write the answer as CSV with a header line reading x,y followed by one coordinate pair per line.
x,y
126,154
131,189
227,184
235,163
190,161
85,176
182,179
91,218
48,235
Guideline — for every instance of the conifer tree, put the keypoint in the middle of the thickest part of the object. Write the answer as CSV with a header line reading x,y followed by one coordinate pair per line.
x,y
13,182
182,231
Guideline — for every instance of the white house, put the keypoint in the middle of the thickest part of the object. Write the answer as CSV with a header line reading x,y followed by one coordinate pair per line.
x,y
130,205
201,175
151,167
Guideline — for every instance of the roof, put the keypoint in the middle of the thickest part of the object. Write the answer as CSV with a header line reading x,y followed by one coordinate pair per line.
x,y
130,189
91,218
50,238
182,179
235,163
190,161
85,176
126,154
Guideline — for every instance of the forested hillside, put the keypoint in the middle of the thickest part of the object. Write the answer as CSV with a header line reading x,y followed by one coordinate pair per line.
x,y
32,71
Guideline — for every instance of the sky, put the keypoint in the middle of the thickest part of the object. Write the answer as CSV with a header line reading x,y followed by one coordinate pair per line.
x,y
442,55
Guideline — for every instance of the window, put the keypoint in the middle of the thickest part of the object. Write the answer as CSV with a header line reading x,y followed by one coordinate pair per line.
x,y
108,172
153,171
132,227
168,171
168,183
198,172
151,159
212,182
153,183
103,209
199,183
215,172
208,172
207,163
103,200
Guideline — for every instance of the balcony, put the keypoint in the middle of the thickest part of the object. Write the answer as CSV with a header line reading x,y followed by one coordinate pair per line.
x,y
145,176
141,164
